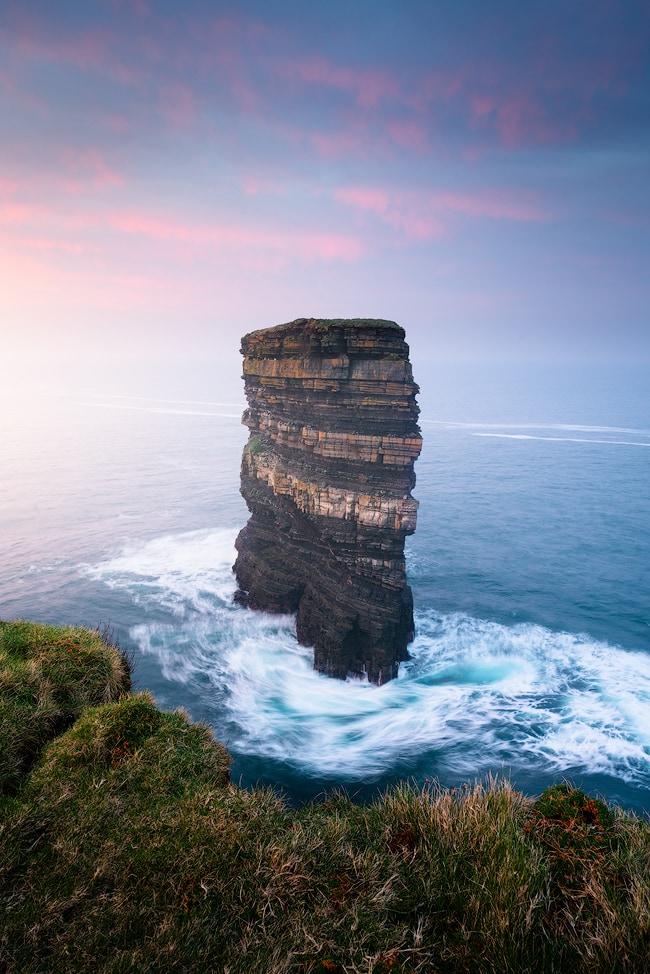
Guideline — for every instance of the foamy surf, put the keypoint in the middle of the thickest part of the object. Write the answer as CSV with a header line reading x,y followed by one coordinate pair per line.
x,y
560,439
551,433
181,573
476,695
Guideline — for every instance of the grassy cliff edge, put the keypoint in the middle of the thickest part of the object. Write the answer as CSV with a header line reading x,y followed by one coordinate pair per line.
x,y
125,847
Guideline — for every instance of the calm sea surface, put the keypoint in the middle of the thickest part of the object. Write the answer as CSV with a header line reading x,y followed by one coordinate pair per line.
x,y
530,571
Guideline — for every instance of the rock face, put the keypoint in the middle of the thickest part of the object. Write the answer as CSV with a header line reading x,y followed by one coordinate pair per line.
x,y
327,475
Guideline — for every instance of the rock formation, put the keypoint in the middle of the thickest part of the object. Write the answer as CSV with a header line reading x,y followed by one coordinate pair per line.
x,y
327,475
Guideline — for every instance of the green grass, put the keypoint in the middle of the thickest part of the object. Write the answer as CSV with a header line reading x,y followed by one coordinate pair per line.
x,y
324,324
47,676
127,848
255,445
327,325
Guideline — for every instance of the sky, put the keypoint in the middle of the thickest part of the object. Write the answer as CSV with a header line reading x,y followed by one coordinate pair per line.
x,y
173,175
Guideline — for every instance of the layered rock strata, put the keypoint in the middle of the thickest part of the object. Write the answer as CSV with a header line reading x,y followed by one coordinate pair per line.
x,y
327,475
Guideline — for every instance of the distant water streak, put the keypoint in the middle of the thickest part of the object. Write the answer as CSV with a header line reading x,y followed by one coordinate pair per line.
x,y
530,571
476,694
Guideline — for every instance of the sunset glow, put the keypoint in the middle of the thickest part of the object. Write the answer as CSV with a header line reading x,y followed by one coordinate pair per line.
x,y
172,176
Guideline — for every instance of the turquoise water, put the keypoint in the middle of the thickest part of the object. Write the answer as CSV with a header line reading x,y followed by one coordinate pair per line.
x,y
530,571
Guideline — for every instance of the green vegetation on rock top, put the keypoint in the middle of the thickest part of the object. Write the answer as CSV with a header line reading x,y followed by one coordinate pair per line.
x,y
326,324
127,848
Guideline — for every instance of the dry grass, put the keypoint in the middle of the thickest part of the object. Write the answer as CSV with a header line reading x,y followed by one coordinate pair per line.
x,y
128,849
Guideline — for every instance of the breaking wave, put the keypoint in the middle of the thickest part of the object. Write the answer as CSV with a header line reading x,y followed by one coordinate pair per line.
x,y
476,695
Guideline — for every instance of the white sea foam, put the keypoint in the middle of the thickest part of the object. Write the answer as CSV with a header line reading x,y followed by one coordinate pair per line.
x,y
549,432
561,439
567,427
475,695
160,410
179,572
176,402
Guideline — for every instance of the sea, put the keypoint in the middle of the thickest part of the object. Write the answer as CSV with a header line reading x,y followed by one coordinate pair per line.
x,y
530,570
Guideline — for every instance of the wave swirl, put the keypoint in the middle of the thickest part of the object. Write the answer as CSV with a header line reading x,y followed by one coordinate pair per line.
x,y
476,694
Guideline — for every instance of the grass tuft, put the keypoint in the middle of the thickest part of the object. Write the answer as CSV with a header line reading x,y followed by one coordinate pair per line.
x,y
127,848
48,675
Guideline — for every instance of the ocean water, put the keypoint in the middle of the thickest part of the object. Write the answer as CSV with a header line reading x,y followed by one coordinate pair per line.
x,y
530,571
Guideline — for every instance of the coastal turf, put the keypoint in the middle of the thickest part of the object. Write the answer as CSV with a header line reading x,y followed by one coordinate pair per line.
x,y
125,847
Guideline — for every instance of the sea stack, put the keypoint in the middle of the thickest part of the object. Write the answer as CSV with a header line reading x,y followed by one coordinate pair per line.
x,y
327,475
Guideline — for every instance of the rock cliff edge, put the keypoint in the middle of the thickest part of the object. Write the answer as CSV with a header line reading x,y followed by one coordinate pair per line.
x,y
327,475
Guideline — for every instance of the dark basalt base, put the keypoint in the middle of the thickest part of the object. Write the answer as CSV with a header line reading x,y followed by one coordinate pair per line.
x,y
355,625
327,475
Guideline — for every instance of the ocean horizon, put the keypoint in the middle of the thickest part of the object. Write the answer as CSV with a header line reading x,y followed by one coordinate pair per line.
x,y
530,571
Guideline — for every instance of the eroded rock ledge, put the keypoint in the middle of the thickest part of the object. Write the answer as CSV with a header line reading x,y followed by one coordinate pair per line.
x,y
327,475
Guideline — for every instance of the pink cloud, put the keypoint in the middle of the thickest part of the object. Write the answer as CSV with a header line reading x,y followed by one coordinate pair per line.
x,y
496,205
19,213
402,211
27,228
54,284
6,81
291,244
548,103
42,200
178,106
235,26
55,224
139,7
261,185
331,144
368,86
375,200
440,86
84,51
327,246
360,137
247,98
65,246
157,228
180,67
88,167
521,120
424,216
408,134
416,223
225,49
118,123
88,50
512,108
481,104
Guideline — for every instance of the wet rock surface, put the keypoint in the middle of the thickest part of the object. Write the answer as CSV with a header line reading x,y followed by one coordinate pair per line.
x,y
327,475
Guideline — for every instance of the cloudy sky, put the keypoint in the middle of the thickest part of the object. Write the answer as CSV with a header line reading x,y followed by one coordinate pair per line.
x,y
173,175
